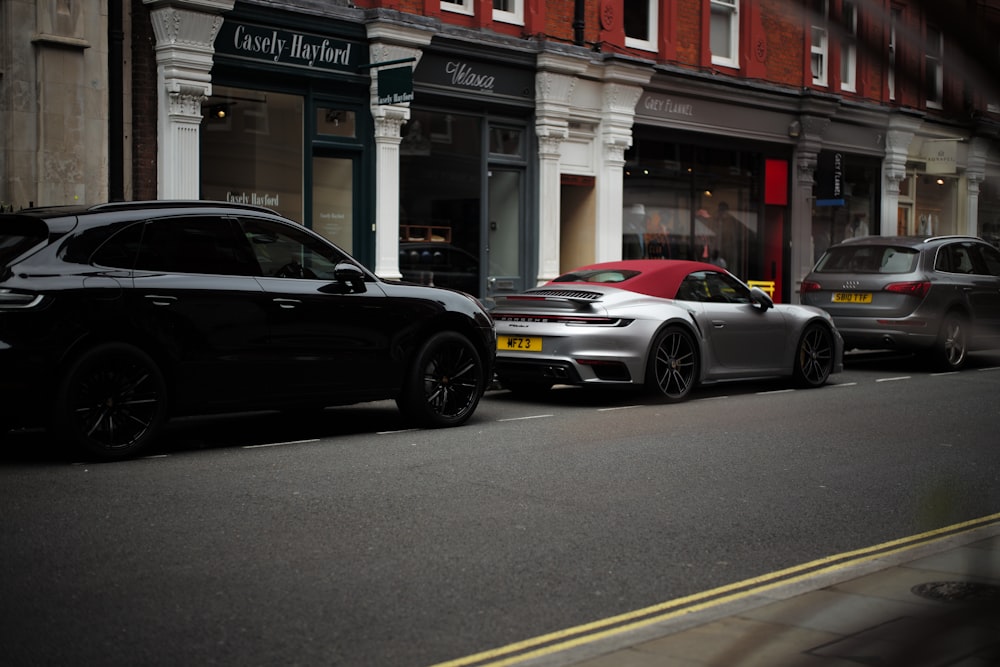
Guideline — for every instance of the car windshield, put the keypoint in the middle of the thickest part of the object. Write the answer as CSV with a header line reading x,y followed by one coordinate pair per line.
x,y
18,235
868,259
596,276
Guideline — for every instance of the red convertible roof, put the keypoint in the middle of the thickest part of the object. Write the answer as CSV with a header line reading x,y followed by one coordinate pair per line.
x,y
656,277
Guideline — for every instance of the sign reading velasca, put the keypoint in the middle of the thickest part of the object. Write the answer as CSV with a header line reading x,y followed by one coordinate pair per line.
x,y
287,47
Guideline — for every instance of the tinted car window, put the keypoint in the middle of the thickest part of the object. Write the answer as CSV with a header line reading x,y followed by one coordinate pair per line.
x,y
121,249
954,258
868,259
596,276
712,287
283,251
18,235
991,259
192,245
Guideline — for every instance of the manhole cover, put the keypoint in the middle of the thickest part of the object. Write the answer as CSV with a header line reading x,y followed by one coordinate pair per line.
x,y
957,591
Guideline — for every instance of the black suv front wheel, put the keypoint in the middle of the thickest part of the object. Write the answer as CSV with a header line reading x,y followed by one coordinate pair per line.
x,y
111,401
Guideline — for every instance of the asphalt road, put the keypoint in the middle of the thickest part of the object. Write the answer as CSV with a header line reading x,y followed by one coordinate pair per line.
x,y
345,539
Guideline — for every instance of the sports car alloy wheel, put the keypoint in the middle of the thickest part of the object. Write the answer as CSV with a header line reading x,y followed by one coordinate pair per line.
x,y
446,382
112,401
673,364
814,359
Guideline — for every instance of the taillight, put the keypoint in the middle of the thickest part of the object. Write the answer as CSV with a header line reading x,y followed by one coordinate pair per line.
x,y
810,286
918,288
19,300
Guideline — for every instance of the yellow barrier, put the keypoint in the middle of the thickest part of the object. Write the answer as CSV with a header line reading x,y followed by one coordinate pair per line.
x,y
766,285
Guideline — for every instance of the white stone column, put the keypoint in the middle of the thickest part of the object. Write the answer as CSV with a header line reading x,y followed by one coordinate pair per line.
x,y
554,84
621,92
898,137
185,36
975,174
806,157
389,43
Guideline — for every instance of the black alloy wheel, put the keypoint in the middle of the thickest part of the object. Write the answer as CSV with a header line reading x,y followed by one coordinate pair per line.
x,y
950,350
111,402
673,364
445,382
814,357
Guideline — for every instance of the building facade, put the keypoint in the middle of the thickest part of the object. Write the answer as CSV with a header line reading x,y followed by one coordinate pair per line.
x,y
490,146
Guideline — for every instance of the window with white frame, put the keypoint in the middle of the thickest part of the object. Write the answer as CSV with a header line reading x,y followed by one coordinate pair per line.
x,y
849,47
820,42
458,6
509,11
934,68
894,21
724,38
640,24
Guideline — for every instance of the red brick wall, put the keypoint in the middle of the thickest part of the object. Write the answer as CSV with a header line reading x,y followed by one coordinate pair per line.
x,y
144,104
785,40
689,33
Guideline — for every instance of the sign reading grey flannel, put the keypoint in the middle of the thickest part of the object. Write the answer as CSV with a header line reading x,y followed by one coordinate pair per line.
x,y
288,47
395,85
464,75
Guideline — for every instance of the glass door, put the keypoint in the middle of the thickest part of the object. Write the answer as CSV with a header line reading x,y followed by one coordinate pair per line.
x,y
504,220
333,180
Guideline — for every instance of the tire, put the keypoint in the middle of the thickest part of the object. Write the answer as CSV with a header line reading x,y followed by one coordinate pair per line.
x,y
952,347
672,369
111,402
814,357
445,382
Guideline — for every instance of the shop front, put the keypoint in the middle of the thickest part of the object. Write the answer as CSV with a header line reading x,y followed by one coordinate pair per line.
x,y
704,196
288,125
466,173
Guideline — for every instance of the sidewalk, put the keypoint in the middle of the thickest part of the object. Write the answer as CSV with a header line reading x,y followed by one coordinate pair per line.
x,y
932,600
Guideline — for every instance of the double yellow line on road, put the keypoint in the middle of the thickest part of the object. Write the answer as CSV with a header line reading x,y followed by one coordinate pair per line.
x,y
587,633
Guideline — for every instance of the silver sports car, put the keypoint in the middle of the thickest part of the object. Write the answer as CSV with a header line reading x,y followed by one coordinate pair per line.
x,y
665,324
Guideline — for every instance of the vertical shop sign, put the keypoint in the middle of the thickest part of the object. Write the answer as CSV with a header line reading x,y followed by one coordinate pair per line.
x,y
830,179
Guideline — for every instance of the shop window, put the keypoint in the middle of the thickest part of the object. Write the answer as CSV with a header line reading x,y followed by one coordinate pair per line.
x,y
858,214
849,47
819,45
507,141
693,202
934,68
252,149
509,11
336,122
724,38
640,24
458,6
894,23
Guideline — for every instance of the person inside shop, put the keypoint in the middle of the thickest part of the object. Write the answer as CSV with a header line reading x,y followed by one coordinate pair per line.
x,y
717,259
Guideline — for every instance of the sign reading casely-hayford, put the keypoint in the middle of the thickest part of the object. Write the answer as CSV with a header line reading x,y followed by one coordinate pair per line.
x,y
286,47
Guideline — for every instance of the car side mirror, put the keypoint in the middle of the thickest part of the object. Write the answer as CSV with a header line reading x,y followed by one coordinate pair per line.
x,y
760,299
350,275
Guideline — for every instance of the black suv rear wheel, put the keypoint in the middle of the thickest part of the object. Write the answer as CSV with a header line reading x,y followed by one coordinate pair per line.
x,y
111,402
444,383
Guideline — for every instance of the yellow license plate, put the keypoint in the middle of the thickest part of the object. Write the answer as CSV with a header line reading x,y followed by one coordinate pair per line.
x,y
852,297
519,344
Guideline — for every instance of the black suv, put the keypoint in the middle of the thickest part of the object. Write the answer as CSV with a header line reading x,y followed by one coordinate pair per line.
x,y
938,296
115,317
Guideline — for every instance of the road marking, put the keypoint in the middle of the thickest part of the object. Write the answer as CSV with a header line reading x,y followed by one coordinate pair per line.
x,y
620,407
845,384
589,633
776,391
895,379
402,430
514,419
281,444
991,368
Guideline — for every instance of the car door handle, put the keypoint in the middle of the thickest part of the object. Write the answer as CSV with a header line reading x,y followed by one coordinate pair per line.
x,y
161,299
719,324
287,303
